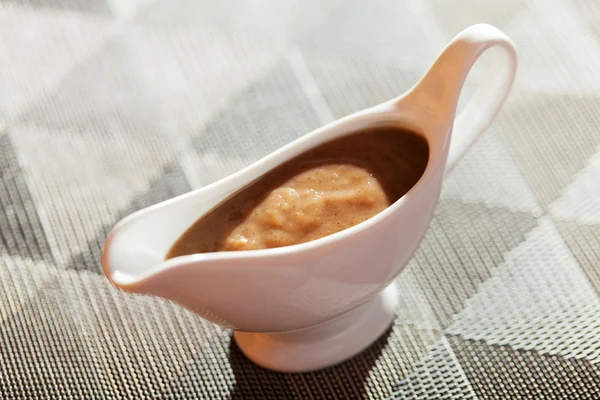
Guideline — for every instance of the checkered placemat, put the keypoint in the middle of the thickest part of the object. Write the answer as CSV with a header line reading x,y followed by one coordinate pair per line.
x,y
108,106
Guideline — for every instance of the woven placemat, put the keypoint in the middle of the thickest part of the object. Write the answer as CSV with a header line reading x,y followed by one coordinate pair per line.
x,y
109,106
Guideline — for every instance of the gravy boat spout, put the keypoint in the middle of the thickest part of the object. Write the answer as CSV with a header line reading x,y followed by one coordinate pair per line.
x,y
315,304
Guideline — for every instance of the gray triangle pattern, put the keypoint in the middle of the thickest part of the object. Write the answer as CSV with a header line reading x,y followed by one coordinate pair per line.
x,y
21,232
266,115
172,182
56,368
463,246
502,372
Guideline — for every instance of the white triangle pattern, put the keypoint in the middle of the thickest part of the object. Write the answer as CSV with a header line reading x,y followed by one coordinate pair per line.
x,y
538,294
580,201
488,175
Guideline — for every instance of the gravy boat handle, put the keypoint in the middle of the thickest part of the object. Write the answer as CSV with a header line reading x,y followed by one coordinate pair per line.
x,y
439,89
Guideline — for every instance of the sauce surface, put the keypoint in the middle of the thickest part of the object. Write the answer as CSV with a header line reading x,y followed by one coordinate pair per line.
x,y
329,188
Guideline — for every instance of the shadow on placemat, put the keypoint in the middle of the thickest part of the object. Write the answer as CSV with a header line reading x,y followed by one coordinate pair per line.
x,y
344,381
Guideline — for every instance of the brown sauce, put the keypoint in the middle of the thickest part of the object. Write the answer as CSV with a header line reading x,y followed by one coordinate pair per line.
x,y
329,188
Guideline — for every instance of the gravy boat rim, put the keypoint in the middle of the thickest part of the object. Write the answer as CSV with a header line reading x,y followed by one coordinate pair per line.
x,y
384,114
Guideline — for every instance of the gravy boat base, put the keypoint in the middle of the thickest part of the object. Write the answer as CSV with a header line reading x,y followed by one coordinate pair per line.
x,y
326,344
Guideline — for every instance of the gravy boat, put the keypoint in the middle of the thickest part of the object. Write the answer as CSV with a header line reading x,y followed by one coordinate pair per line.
x,y
312,305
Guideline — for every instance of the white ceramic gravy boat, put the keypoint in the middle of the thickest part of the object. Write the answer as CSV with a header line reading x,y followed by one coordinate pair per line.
x,y
312,305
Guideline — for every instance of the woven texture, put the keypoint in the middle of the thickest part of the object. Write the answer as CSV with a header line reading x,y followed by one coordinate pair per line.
x,y
109,106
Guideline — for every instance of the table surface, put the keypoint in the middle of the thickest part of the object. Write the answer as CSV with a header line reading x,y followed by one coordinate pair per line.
x,y
111,106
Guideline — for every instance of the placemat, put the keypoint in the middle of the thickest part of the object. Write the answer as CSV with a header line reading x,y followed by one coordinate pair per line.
x,y
108,106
